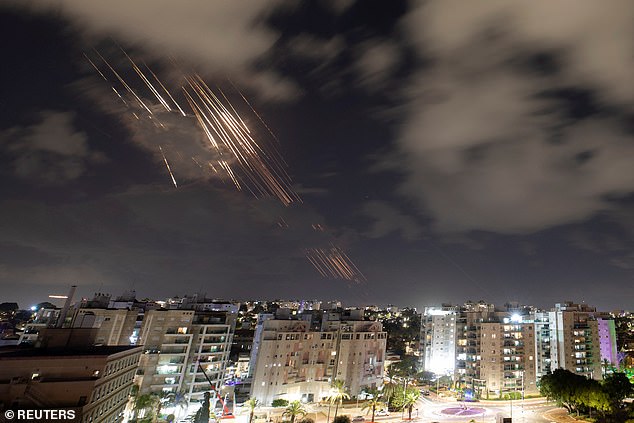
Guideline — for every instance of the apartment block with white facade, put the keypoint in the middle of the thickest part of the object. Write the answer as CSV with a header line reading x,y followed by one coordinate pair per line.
x,y
438,339
291,361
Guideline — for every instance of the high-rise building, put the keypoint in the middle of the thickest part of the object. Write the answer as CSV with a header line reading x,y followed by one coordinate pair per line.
x,y
507,356
575,342
292,361
438,339
185,350
542,344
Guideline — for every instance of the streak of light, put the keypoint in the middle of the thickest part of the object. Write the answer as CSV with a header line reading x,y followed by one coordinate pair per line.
x,y
147,82
166,90
241,159
119,95
96,68
227,132
255,112
334,263
125,84
60,297
167,165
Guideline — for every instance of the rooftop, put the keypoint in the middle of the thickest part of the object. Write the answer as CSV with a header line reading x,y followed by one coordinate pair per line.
x,y
13,351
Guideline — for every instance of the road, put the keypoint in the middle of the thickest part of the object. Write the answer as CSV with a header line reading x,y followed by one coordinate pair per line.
x,y
433,409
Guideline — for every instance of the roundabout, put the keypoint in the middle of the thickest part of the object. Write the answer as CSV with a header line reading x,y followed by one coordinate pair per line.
x,y
462,411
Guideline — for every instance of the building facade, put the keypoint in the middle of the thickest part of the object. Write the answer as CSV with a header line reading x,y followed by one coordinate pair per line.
x,y
94,382
185,351
294,362
438,339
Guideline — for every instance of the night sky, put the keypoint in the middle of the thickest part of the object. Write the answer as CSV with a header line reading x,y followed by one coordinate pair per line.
x,y
454,150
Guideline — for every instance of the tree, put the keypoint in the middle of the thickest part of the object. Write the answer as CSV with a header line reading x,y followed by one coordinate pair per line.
x,y
426,377
338,395
279,402
146,402
164,397
372,404
390,388
252,404
410,397
617,387
177,400
582,395
294,409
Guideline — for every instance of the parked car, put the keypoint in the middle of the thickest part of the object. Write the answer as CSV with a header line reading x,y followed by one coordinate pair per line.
x,y
382,413
425,392
358,419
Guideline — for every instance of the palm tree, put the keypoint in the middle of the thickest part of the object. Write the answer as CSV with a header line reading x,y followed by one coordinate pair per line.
x,y
252,404
146,402
338,395
178,400
391,387
294,409
163,397
409,400
373,403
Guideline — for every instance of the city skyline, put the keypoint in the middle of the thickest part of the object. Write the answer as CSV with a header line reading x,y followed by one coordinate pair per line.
x,y
449,152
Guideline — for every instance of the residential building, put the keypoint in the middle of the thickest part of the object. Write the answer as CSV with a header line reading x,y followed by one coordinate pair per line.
x,y
185,350
64,370
438,339
575,343
507,357
291,360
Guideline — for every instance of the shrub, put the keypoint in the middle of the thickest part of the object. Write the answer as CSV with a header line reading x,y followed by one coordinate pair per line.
x,y
341,419
279,402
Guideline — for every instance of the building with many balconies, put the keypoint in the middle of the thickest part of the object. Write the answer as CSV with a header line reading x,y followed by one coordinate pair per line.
x,y
294,362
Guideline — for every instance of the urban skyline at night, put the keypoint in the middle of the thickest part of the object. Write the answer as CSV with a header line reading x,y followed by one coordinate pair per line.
x,y
373,153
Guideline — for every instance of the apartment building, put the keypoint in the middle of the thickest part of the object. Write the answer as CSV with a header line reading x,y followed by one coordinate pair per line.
x,y
438,339
93,381
468,332
507,357
185,350
511,348
543,362
575,343
291,360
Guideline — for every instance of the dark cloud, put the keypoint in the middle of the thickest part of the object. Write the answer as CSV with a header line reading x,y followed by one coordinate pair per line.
x,y
376,63
51,151
220,38
387,219
477,144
